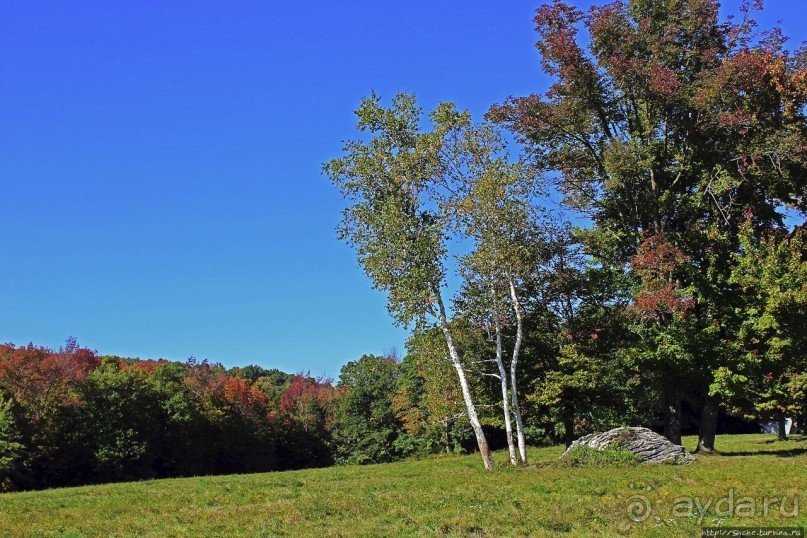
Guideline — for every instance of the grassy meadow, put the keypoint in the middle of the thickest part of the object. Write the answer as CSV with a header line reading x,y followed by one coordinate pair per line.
x,y
441,496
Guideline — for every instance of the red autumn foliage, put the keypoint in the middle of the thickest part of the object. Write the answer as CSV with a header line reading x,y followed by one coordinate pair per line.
x,y
555,24
40,378
663,81
238,393
655,263
657,258
660,300
307,401
148,366
199,376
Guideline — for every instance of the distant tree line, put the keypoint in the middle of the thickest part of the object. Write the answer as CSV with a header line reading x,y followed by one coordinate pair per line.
x,y
70,417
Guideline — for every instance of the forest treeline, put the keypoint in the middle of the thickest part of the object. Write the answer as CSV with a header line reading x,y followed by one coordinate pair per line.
x,y
71,416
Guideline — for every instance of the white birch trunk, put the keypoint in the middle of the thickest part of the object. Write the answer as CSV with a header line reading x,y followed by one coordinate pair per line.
x,y
508,426
481,440
522,440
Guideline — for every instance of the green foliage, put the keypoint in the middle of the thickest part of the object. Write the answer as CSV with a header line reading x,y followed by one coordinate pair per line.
x,y
586,380
443,398
429,401
12,451
272,382
69,417
366,428
395,220
588,456
771,280
123,413
664,126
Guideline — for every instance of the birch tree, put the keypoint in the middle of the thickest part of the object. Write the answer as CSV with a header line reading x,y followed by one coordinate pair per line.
x,y
494,219
497,205
397,218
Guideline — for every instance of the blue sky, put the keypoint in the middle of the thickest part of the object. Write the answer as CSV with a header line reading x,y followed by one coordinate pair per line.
x,y
160,165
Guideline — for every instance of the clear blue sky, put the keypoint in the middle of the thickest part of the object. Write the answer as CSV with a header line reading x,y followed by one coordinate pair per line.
x,y
160,164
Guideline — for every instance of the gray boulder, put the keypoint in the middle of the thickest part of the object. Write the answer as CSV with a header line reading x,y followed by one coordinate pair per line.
x,y
647,445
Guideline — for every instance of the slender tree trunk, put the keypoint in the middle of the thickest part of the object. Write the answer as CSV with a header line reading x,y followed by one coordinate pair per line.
x,y
568,423
708,425
522,440
508,426
481,440
781,420
672,416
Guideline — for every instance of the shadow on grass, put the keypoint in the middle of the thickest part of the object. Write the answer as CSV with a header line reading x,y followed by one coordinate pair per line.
x,y
775,447
778,453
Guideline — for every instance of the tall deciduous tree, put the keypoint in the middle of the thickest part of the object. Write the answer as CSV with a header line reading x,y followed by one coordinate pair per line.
x,y
397,220
671,123
586,382
11,448
494,202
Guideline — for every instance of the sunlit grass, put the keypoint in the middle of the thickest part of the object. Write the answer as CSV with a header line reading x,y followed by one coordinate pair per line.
x,y
441,495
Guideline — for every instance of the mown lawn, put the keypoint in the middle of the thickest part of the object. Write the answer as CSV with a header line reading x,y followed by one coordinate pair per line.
x,y
445,496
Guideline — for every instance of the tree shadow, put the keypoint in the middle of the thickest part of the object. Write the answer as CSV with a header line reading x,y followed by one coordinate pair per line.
x,y
774,447
792,453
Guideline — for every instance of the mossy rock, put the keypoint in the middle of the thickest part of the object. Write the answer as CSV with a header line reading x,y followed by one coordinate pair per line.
x,y
645,444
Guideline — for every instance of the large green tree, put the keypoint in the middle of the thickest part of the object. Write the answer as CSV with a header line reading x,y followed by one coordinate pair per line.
x,y
669,123
11,448
771,277
366,426
586,382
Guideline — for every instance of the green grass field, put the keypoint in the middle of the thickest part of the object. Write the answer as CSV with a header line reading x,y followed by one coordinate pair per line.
x,y
444,496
